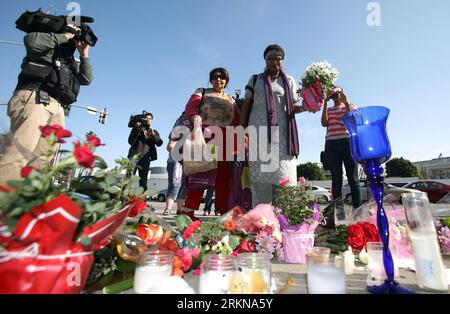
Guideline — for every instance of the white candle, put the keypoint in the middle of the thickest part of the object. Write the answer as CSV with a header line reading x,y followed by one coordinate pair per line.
x,y
349,261
215,282
428,261
326,279
146,276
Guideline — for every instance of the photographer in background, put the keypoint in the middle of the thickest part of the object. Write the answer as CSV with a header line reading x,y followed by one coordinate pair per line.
x,y
48,83
143,139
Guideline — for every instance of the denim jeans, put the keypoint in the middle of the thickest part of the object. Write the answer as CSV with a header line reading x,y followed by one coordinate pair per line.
x,y
174,186
338,152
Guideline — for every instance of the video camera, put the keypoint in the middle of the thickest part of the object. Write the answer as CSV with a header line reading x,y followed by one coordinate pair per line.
x,y
139,118
39,21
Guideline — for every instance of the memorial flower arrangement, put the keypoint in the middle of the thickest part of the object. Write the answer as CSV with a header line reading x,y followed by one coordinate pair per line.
x,y
44,218
296,204
443,231
358,234
318,78
298,216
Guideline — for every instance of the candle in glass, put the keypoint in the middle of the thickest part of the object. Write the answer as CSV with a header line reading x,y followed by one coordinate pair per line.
x,y
151,267
216,274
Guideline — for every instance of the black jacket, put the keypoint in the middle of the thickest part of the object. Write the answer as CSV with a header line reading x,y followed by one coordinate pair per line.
x,y
144,146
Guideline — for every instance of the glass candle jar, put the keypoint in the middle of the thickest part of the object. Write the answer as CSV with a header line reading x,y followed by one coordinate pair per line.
x,y
216,274
325,276
152,265
253,274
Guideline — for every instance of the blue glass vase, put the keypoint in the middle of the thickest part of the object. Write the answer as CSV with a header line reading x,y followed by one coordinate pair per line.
x,y
370,147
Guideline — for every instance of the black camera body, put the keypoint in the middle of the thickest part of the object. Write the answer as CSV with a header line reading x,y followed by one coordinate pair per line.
x,y
134,119
39,21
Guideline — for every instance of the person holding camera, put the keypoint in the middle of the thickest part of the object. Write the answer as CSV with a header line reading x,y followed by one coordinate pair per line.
x,y
48,83
337,145
143,140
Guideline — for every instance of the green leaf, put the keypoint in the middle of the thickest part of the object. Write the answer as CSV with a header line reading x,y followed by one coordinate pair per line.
x,y
182,222
102,185
113,189
110,179
119,286
100,163
125,266
233,242
134,179
99,174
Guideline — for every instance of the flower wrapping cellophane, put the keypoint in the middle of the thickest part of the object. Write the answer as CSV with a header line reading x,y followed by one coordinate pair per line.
x,y
40,255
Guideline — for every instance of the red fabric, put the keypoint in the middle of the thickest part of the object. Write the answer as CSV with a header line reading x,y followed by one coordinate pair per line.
x,y
194,197
192,107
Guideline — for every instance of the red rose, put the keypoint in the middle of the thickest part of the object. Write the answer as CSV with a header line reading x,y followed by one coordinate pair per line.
x,y
246,246
356,243
356,231
371,233
94,140
356,236
83,155
191,229
25,172
170,245
58,130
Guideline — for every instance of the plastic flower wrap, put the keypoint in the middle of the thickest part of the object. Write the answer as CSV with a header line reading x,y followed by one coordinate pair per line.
x,y
318,78
298,217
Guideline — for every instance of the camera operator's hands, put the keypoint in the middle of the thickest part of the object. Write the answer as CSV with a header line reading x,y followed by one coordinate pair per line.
x,y
83,48
71,34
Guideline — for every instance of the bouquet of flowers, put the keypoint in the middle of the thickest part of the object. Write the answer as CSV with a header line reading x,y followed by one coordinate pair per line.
x,y
318,78
360,233
443,231
47,224
262,223
299,216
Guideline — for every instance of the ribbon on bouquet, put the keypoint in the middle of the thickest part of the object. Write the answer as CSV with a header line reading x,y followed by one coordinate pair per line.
x,y
40,256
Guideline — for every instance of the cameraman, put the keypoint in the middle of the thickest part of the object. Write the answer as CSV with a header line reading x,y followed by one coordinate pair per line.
x,y
143,139
48,83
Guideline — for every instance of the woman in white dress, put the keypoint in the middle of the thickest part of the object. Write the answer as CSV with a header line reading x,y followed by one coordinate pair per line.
x,y
269,107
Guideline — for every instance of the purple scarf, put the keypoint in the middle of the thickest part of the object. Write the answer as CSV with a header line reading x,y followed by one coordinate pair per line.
x,y
272,119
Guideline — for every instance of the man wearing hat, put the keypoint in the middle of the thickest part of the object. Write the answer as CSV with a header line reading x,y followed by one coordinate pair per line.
x,y
269,107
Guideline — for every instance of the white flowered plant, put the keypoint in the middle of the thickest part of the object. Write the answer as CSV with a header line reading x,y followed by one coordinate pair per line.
x,y
320,70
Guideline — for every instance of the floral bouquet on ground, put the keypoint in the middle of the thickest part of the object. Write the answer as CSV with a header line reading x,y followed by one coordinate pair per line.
x,y
318,78
48,230
299,216
262,223
443,231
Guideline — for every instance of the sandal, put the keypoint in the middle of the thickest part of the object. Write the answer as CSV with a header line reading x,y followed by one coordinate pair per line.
x,y
216,212
166,212
206,213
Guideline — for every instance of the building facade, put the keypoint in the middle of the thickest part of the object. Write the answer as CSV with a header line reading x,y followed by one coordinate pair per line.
x,y
438,168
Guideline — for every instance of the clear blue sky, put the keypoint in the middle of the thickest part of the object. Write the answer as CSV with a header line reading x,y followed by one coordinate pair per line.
x,y
151,55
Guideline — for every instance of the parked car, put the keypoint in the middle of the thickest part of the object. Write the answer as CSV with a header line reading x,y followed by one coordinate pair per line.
x,y
160,196
395,192
321,195
435,190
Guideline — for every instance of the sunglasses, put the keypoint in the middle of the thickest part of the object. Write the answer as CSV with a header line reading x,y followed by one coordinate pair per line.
x,y
219,76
